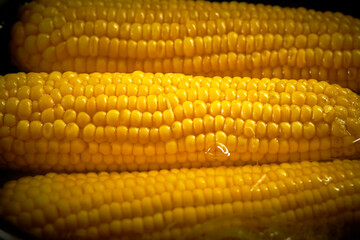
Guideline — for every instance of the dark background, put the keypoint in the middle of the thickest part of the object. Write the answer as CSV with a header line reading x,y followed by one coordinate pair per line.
x,y
8,15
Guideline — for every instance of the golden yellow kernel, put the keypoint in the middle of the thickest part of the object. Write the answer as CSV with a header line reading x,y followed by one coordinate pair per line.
x,y
305,114
298,98
101,102
59,129
35,129
225,108
99,118
246,110
56,95
257,110
338,111
152,103
276,113
322,129
285,130
156,90
309,130
177,129
272,130
338,128
135,118
200,109
68,102
317,114
71,131
80,104
22,130
24,109
274,98
47,131
190,144
297,129
168,116
23,92
165,133
188,108
46,26
69,116
112,117
189,47
249,128
295,113
99,90
100,134
147,119
36,92
144,134
133,134
12,105
267,112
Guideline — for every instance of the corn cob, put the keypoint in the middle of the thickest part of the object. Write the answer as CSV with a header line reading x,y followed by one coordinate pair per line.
x,y
169,203
191,37
141,121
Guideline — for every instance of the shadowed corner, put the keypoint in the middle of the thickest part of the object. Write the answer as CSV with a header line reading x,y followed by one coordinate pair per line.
x,y
9,231
261,228
8,16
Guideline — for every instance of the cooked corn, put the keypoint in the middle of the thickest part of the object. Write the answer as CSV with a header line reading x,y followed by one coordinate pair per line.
x,y
140,121
191,37
168,204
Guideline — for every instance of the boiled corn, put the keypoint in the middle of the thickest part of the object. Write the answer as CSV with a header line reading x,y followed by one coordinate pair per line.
x,y
141,121
191,37
168,204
